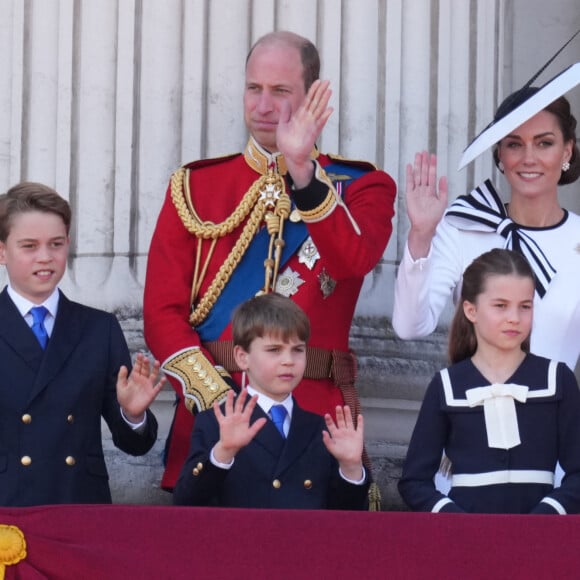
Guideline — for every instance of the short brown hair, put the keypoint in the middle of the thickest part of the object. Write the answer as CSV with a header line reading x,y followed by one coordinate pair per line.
x,y
308,53
269,314
30,196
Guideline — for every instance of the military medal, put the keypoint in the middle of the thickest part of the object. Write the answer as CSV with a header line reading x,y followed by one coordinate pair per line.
x,y
270,194
288,283
308,254
327,284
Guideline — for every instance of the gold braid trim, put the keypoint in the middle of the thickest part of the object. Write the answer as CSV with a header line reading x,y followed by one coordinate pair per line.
x,y
319,213
202,383
225,272
328,204
375,498
205,229
275,224
267,191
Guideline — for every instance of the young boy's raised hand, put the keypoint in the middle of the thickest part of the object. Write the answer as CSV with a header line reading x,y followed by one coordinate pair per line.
x,y
235,429
345,442
137,390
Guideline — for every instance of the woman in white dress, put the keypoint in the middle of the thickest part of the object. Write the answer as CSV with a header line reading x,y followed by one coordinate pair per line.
x,y
535,157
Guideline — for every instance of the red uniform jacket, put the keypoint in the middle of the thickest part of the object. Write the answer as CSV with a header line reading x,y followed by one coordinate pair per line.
x,y
346,255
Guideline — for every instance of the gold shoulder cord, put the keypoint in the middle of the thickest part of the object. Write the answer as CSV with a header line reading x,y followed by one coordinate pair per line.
x,y
268,191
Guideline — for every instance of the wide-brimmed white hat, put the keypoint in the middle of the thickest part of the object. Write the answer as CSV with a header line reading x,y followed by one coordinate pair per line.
x,y
518,108
523,105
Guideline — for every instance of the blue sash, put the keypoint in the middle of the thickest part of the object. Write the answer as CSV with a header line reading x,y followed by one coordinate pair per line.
x,y
248,277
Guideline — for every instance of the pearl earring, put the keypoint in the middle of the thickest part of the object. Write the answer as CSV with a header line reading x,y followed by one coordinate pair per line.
x,y
565,166
500,166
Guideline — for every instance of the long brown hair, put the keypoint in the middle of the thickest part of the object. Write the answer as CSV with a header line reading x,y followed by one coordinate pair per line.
x,y
497,262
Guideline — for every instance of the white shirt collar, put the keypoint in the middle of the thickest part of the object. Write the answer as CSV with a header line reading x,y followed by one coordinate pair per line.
x,y
24,305
266,403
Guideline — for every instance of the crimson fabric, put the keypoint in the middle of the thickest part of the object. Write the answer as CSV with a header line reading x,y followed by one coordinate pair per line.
x,y
121,542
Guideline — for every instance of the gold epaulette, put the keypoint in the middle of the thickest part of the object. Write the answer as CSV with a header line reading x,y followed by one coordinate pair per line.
x,y
203,384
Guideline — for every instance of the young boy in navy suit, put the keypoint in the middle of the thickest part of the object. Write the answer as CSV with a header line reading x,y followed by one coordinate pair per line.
x,y
240,457
61,370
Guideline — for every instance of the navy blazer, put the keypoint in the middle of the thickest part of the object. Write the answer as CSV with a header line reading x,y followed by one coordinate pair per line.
x,y
270,472
51,403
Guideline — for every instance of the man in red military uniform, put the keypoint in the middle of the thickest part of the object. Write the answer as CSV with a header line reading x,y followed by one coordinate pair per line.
x,y
278,217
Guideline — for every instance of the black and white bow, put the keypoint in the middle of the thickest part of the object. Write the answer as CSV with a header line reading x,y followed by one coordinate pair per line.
x,y
483,210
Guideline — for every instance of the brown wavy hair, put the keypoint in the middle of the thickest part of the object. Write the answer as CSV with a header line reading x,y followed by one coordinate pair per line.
x,y
30,196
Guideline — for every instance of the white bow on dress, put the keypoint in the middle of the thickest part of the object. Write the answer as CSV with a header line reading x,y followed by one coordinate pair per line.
x,y
501,421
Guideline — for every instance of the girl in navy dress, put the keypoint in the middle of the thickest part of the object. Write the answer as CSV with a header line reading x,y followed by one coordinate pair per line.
x,y
504,417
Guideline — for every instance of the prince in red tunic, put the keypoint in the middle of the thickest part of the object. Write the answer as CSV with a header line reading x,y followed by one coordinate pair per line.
x,y
279,217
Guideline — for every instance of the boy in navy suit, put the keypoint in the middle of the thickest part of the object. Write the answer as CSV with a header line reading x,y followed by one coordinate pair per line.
x,y
261,450
63,366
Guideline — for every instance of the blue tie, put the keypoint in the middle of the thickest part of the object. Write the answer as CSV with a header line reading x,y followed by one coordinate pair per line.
x,y
278,413
38,315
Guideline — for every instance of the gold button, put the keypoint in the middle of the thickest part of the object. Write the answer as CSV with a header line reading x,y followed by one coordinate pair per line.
x,y
26,419
199,466
307,484
26,461
195,471
70,419
276,484
70,460
295,216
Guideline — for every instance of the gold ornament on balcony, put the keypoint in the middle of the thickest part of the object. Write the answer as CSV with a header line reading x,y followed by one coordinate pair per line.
x,y
12,547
